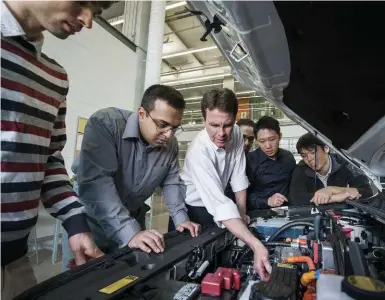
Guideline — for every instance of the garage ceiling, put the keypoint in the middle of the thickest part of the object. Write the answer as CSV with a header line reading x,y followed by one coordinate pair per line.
x,y
190,65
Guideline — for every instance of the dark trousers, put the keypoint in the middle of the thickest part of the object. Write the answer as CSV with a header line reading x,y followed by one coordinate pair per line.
x,y
197,214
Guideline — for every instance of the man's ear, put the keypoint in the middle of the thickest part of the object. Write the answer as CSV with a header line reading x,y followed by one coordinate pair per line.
x,y
327,149
141,112
280,136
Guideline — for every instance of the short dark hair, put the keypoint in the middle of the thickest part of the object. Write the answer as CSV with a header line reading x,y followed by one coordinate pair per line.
x,y
222,99
246,122
165,93
309,141
267,122
102,4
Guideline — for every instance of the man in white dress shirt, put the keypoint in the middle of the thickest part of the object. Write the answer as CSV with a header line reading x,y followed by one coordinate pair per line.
x,y
215,158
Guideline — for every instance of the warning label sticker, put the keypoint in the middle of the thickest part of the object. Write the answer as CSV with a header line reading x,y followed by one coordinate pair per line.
x,y
112,288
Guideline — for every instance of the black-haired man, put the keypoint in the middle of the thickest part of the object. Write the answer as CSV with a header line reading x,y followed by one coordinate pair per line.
x,y
33,108
269,167
215,157
324,178
124,157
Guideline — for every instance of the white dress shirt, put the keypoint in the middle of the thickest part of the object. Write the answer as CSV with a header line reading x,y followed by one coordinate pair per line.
x,y
207,171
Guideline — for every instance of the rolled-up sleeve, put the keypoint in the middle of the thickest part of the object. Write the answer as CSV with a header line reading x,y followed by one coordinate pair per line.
x,y
174,192
97,165
210,190
239,180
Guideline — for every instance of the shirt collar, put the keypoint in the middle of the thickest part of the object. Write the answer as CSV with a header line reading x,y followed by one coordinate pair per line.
x,y
10,27
132,127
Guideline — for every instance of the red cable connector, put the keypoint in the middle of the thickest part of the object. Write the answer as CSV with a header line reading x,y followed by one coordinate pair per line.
x,y
223,278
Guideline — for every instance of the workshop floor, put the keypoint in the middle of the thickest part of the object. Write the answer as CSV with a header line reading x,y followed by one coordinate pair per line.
x,y
44,269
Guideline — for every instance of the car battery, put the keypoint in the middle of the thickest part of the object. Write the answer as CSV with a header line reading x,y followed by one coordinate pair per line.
x,y
267,227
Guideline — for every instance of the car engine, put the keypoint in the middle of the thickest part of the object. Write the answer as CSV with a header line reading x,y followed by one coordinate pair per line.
x,y
332,254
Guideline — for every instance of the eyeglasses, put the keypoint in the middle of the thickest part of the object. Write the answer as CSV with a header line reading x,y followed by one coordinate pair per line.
x,y
164,127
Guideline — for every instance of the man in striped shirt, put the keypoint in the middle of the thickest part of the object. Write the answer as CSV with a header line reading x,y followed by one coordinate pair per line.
x,y
33,108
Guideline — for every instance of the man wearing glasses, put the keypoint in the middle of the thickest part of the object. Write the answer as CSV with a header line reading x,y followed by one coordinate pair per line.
x,y
125,156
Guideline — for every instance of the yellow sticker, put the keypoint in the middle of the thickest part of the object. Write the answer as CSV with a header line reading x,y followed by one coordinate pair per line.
x,y
366,283
287,266
112,288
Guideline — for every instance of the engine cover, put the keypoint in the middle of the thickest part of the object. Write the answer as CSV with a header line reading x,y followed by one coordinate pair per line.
x,y
282,285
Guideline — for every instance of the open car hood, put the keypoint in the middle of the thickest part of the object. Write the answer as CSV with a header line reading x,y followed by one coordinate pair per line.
x,y
321,63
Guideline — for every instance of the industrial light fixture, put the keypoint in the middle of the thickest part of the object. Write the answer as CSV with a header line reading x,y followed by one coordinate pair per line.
x,y
199,86
114,23
188,51
175,5
245,92
197,79
249,97
240,93
193,98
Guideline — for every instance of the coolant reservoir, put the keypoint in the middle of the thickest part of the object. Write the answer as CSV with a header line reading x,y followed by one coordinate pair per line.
x,y
329,288
333,287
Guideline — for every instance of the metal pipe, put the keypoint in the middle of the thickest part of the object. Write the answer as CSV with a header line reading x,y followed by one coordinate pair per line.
x,y
155,43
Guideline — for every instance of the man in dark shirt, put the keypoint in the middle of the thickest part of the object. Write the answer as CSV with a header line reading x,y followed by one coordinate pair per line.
x,y
324,178
247,127
268,168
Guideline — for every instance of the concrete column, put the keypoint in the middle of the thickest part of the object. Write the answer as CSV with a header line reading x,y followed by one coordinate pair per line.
x,y
155,43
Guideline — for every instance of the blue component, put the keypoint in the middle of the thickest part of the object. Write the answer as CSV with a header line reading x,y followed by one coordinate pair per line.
x,y
267,231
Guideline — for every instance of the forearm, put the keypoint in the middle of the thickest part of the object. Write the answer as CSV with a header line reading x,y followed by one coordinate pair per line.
x,y
342,196
240,199
337,189
238,228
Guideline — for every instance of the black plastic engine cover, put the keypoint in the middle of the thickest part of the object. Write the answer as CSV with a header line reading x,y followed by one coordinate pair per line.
x,y
282,285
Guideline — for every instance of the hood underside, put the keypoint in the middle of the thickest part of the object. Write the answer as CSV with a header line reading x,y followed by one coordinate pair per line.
x,y
322,63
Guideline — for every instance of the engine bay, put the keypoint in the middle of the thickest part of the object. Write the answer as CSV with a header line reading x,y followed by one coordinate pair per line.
x,y
331,254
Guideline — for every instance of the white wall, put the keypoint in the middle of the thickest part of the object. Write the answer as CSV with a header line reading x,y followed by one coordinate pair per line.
x,y
102,73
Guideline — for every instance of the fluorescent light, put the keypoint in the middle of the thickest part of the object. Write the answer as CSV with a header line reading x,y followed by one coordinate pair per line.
x,y
196,79
194,98
198,86
249,97
245,92
188,51
175,5
117,22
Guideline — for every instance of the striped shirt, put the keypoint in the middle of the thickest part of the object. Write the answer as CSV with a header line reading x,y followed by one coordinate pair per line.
x,y
33,108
